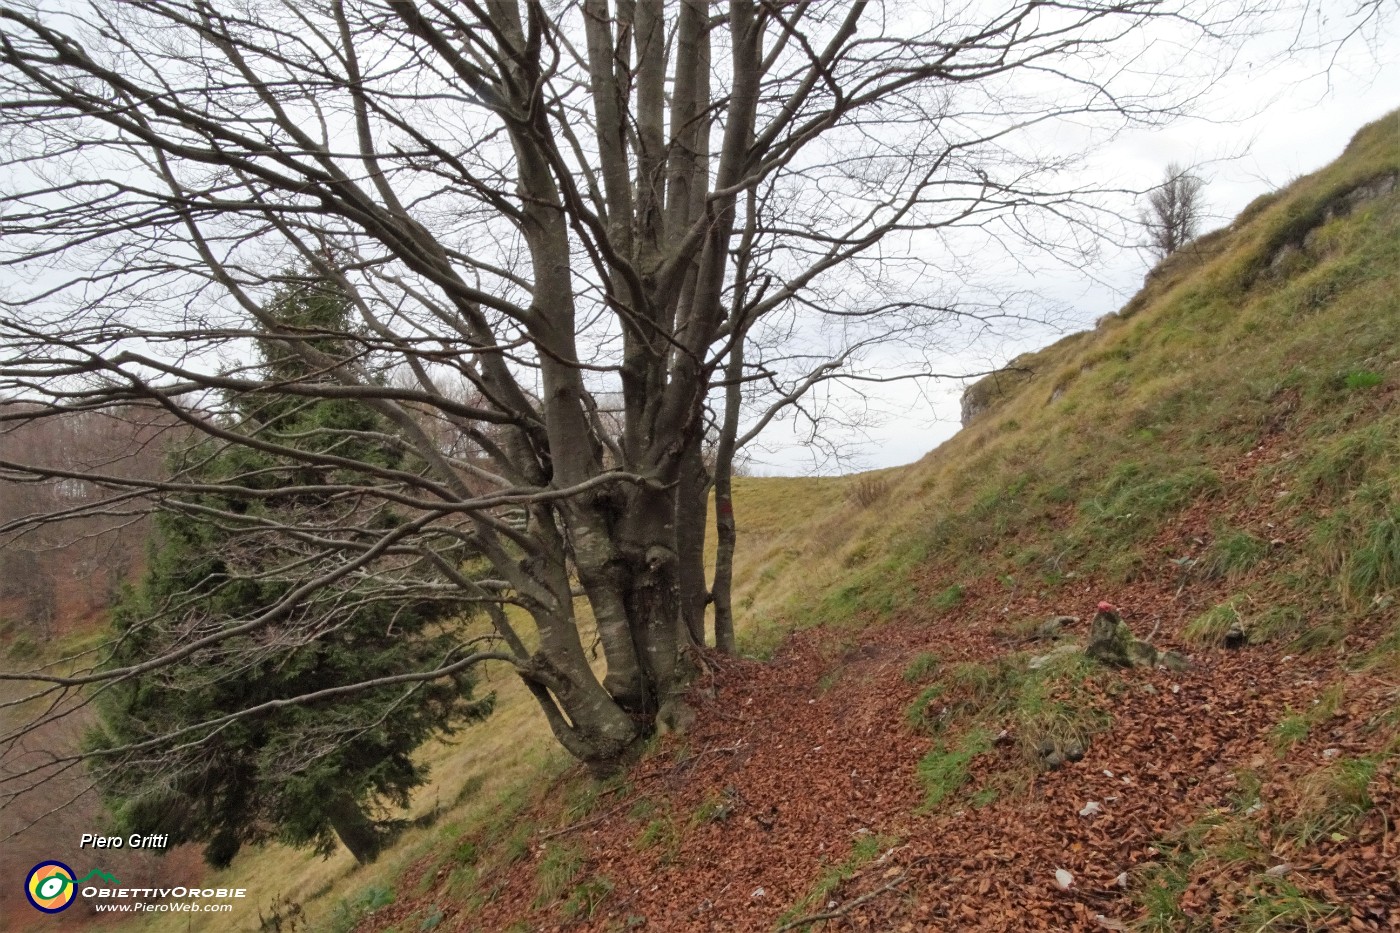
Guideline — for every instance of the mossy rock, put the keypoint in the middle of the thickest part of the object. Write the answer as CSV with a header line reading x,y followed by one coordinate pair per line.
x,y
1111,642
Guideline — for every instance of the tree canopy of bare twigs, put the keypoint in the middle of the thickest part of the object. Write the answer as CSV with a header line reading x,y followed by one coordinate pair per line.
x,y
575,236
1173,215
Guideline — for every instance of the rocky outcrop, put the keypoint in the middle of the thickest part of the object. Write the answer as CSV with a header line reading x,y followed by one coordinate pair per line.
x,y
994,389
987,391
1303,237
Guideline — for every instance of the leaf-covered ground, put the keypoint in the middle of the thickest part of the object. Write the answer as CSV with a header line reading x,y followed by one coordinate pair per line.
x,y
1257,790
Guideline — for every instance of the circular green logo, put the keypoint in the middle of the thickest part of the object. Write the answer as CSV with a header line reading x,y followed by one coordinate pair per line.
x,y
50,887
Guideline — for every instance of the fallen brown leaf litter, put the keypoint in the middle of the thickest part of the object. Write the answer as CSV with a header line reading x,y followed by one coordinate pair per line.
x,y
797,763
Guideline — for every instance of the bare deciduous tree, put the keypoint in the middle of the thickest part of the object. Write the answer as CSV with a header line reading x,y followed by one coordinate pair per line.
x,y
674,205
1173,215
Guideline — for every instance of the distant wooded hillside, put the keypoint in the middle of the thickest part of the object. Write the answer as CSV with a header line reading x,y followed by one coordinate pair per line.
x,y
54,575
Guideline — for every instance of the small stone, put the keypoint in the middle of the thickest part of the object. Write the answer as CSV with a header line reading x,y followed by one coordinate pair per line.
x,y
1174,661
1063,651
1330,753
1063,879
759,892
1142,653
1092,808
1278,871
1053,761
1074,752
1121,880
1054,628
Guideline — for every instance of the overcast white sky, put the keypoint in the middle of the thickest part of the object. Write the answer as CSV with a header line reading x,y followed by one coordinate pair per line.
x,y
1270,122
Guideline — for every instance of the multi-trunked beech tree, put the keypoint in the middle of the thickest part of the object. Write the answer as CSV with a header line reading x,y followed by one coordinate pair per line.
x,y
588,249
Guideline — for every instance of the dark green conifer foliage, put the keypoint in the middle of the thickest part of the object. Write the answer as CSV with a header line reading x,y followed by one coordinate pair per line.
x,y
302,774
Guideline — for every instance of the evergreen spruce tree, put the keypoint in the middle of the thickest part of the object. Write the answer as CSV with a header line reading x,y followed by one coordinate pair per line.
x,y
302,774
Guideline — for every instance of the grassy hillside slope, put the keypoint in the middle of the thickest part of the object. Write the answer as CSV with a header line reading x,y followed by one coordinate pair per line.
x,y
1280,330
1221,459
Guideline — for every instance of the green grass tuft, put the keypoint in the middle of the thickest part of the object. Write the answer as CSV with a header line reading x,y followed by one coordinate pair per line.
x,y
1210,628
924,664
348,913
863,851
1291,730
1362,379
558,868
1338,465
916,715
662,834
586,898
1333,799
984,797
1278,904
1134,500
1316,638
715,808
1232,555
949,598
1277,623
1374,567
944,769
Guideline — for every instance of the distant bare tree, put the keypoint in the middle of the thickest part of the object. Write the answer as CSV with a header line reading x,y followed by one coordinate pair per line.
x,y
1173,215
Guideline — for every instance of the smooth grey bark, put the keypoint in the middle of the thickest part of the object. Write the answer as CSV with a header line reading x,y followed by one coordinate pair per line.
x,y
726,530
692,502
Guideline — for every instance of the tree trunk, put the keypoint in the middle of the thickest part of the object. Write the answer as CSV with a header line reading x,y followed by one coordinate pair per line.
x,y
725,530
692,497
592,723
589,726
726,534
356,831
